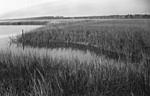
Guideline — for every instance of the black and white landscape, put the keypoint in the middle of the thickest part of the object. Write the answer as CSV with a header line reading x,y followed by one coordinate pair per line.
x,y
74,48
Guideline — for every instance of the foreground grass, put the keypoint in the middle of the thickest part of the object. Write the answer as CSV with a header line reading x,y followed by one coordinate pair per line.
x,y
32,74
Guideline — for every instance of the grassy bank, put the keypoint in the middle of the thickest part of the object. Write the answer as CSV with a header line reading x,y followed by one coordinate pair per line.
x,y
128,37
32,74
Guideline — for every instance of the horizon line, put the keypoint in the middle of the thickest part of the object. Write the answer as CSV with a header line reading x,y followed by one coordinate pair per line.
x,y
32,17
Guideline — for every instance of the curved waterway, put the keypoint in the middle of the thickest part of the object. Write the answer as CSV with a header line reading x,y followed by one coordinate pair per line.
x,y
64,53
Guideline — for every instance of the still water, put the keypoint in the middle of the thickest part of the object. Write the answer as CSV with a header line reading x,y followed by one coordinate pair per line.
x,y
56,53
12,30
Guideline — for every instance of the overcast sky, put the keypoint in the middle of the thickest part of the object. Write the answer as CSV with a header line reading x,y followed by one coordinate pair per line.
x,y
12,5
105,6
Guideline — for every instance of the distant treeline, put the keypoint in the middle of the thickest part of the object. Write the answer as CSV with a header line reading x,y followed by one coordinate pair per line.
x,y
129,16
116,17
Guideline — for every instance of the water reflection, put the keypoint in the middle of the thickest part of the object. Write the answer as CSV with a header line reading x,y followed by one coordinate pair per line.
x,y
7,31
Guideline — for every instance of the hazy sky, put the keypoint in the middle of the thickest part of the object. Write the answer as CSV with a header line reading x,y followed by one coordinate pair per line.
x,y
105,6
12,5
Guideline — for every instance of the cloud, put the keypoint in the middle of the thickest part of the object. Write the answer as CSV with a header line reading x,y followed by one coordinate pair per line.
x,y
78,8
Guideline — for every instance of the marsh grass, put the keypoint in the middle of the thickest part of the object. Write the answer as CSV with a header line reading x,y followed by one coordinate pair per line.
x,y
126,38
30,74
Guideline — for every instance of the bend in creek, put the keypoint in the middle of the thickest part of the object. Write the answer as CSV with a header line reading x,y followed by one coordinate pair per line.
x,y
83,48
57,52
